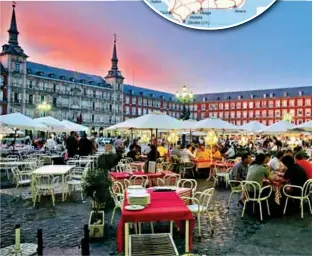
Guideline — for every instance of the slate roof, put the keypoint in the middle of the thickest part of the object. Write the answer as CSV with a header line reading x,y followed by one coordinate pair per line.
x,y
257,94
47,71
147,92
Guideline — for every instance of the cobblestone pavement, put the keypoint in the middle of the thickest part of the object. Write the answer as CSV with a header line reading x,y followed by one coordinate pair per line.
x,y
63,228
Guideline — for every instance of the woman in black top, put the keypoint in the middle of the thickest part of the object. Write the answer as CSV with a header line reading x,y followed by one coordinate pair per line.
x,y
153,154
132,153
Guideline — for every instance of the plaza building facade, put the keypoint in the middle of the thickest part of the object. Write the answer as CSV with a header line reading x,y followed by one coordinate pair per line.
x,y
99,102
266,106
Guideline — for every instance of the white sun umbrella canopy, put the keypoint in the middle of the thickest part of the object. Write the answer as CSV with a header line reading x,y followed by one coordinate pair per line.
x,y
53,124
158,121
75,127
5,129
190,124
217,125
123,125
278,127
306,127
20,121
253,126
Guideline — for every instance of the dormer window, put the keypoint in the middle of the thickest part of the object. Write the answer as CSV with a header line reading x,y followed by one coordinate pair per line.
x,y
62,77
29,71
72,79
82,81
141,93
239,97
218,98
51,75
151,95
91,82
162,97
285,94
204,99
300,93
39,73
251,96
272,95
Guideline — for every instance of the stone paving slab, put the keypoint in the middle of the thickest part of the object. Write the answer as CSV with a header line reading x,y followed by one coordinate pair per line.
x,y
27,249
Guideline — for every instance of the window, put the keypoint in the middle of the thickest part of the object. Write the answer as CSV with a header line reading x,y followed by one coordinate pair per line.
x,y
264,104
238,105
93,118
244,105
299,102
17,67
94,94
145,102
226,105
244,114
30,99
42,98
139,111
308,102
270,113
195,107
251,114
300,121
54,101
250,104
202,106
291,103
85,91
284,103
134,100
232,114
202,115
270,104
292,112
277,113
300,93
226,114
232,105
257,113
238,114
220,106
134,111
127,99
264,114
94,105
164,104
257,104
277,103
299,112
307,112
30,84
54,87
238,122
220,114
270,122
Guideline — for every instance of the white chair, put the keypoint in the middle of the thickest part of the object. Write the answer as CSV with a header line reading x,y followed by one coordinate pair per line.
x,y
75,178
220,172
188,183
168,180
117,193
306,191
8,167
235,187
254,193
128,159
141,180
185,167
20,178
44,184
200,206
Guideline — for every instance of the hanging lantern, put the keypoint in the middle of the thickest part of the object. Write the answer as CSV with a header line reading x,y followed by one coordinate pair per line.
x,y
145,138
172,138
243,141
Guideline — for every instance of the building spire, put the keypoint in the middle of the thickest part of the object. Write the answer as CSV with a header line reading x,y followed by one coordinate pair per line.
x,y
13,33
114,59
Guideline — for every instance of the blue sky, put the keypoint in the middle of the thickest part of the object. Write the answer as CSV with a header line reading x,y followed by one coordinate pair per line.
x,y
273,50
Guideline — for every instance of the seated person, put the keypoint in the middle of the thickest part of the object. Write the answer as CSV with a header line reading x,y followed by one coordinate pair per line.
x,y
257,171
275,163
162,150
176,151
153,155
240,170
186,154
132,153
217,156
294,173
230,153
305,164
203,152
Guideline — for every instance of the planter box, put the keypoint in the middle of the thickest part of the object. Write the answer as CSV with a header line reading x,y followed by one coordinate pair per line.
x,y
94,205
96,230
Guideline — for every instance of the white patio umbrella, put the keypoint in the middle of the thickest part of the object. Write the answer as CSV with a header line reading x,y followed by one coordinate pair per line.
x,y
123,125
217,124
253,126
190,124
75,127
306,127
20,121
53,124
5,130
278,127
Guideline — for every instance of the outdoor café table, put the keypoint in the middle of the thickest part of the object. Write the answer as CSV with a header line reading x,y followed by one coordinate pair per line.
x,y
120,176
54,170
164,206
206,163
16,163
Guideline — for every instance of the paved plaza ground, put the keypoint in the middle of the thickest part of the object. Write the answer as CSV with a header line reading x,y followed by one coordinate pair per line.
x,y
63,228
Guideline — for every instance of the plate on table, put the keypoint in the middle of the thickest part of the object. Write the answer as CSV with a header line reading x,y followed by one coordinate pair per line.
x,y
134,207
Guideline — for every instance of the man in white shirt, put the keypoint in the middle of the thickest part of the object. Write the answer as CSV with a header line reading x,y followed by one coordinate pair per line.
x,y
275,163
50,144
186,154
230,153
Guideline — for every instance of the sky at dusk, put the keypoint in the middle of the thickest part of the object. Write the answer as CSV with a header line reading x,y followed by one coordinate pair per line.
x,y
273,50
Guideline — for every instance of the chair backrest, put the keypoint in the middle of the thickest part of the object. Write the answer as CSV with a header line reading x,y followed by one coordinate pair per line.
x,y
251,189
125,160
11,158
120,167
231,161
128,159
188,183
15,172
139,180
171,179
188,165
307,188
205,198
85,158
117,193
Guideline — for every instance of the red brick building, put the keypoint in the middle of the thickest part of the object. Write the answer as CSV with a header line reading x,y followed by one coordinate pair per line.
x,y
266,106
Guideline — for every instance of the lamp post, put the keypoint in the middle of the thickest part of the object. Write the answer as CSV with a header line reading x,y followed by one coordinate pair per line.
x,y
44,107
185,96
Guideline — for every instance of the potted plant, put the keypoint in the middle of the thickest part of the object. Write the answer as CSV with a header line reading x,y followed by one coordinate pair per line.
x,y
96,186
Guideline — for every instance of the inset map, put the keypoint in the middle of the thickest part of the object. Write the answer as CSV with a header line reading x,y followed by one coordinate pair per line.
x,y
209,14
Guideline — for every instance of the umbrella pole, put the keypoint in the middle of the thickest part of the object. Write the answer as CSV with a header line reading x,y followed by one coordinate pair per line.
x,y
156,152
190,140
15,132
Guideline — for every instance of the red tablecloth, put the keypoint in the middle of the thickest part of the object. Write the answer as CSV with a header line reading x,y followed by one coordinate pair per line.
x,y
164,206
214,162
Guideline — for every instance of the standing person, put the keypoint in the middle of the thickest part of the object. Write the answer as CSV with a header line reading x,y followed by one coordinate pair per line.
x,y
50,143
71,145
94,147
85,147
118,143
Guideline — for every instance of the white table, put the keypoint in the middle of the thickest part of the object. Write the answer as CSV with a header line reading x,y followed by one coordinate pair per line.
x,y
16,163
55,170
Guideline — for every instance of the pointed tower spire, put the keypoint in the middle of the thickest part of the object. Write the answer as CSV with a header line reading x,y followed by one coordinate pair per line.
x,y
114,59
13,33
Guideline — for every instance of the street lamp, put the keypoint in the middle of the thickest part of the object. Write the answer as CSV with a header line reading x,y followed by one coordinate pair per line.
x,y
287,117
44,107
185,96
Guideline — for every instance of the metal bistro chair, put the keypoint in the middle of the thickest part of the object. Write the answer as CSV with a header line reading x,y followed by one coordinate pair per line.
x,y
20,178
141,180
185,167
306,191
75,178
44,184
170,180
188,183
235,188
117,193
253,193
